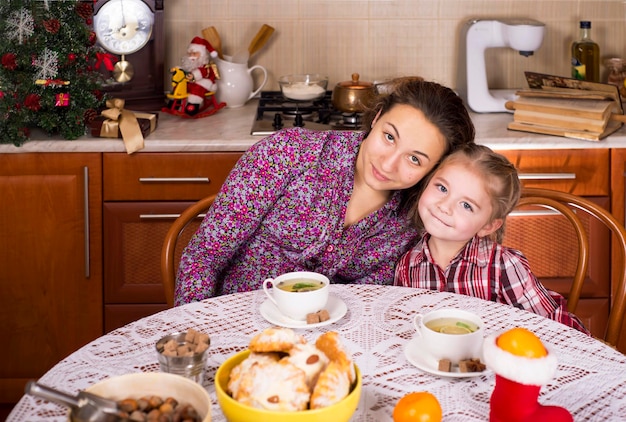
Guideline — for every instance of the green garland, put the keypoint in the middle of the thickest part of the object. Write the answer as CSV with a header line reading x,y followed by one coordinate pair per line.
x,y
47,79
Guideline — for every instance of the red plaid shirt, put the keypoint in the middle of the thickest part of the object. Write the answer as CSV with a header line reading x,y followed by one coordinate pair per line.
x,y
488,270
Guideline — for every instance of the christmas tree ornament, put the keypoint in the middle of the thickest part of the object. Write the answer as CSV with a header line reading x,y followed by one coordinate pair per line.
x,y
522,365
62,100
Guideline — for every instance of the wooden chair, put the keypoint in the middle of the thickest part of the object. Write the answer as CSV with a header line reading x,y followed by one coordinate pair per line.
x,y
567,204
168,252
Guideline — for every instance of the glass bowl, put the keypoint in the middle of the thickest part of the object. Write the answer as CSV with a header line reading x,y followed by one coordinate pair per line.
x,y
305,87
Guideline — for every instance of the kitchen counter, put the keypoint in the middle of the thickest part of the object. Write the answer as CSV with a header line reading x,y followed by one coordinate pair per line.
x,y
229,130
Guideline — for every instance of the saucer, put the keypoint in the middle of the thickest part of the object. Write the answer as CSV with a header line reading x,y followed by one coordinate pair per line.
x,y
336,308
413,350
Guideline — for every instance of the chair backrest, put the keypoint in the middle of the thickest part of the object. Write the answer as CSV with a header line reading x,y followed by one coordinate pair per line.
x,y
564,203
168,252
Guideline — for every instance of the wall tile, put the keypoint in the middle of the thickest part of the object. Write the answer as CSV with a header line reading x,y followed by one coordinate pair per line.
x,y
384,38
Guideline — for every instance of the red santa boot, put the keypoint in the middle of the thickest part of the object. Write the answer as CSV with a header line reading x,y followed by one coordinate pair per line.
x,y
522,365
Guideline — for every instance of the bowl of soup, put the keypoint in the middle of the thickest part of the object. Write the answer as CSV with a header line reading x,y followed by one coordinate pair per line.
x,y
297,294
452,334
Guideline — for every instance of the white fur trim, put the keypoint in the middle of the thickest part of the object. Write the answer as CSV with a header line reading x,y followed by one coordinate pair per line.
x,y
213,54
198,48
527,371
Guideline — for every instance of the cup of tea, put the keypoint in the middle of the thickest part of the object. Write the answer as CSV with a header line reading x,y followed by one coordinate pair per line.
x,y
298,293
452,334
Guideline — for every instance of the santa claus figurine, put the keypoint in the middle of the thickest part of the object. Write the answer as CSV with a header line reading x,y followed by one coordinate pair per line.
x,y
200,75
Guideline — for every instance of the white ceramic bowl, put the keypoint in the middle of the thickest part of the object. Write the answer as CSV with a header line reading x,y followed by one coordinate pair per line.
x,y
161,384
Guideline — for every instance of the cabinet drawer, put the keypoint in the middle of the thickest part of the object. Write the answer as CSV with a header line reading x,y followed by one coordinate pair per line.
x,y
581,172
165,176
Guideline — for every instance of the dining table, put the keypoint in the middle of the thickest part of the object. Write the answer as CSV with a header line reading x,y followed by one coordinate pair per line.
x,y
376,326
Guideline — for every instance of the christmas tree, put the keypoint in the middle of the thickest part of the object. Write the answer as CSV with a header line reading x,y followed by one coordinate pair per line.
x,y
47,79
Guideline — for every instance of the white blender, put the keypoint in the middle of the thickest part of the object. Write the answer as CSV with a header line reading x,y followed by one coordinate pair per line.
x,y
523,35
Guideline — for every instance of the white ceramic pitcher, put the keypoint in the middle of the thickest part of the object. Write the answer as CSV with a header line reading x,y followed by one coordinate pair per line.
x,y
235,86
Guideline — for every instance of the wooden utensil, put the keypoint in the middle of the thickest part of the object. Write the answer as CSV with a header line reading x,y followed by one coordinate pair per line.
x,y
212,36
257,42
260,39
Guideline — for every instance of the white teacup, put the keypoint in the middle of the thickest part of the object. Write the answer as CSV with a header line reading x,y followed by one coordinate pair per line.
x,y
297,304
459,345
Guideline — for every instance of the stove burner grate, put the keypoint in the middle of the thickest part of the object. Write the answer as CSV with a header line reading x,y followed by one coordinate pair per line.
x,y
275,112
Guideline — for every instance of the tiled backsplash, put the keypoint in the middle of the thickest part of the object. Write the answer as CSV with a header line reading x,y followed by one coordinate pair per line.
x,y
385,38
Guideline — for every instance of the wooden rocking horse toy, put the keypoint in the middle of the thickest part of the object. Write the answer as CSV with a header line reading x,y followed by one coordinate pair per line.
x,y
177,99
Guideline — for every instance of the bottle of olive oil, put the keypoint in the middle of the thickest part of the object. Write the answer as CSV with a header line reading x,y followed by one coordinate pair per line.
x,y
585,56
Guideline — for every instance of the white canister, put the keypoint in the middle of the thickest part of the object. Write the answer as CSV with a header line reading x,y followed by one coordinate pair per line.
x,y
236,86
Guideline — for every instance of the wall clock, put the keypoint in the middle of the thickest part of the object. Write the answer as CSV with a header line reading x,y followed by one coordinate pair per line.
x,y
132,30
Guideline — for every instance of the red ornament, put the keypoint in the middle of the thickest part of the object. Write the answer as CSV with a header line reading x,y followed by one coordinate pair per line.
x,y
105,59
9,61
71,57
92,38
31,102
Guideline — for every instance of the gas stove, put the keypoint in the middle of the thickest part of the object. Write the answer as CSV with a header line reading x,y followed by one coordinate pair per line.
x,y
276,112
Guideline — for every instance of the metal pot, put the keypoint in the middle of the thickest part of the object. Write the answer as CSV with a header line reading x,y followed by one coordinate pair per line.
x,y
353,96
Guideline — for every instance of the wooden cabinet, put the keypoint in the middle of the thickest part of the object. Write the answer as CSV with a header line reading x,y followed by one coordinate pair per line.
x,y
618,205
143,194
584,173
51,262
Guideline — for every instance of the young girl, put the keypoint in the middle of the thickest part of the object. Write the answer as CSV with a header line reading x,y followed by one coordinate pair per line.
x,y
463,210
333,202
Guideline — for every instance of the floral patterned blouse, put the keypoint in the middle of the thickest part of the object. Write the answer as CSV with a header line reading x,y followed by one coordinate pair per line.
x,y
282,209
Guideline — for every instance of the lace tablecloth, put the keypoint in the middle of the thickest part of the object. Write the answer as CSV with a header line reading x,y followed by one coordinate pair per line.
x,y
590,381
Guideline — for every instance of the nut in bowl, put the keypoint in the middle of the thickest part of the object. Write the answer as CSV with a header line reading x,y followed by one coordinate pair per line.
x,y
305,87
301,382
156,386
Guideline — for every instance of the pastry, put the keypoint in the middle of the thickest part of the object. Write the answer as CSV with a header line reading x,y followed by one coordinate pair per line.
x,y
331,345
310,359
237,372
332,386
279,386
275,339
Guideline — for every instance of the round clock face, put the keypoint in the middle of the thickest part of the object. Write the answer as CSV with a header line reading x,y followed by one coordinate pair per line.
x,y
123,26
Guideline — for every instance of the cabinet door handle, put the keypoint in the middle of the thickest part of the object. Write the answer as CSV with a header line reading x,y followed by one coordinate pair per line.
x,y
547,176
174,179
164,216
86,228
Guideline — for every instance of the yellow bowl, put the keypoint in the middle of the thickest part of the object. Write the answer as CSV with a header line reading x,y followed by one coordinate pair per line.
x,y
237,412
137,385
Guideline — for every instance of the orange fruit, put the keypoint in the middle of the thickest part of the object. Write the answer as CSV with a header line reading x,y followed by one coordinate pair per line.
x,y
521,342
421,406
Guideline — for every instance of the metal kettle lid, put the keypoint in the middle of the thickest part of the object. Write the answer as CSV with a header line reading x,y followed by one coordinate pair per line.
x,y
355,83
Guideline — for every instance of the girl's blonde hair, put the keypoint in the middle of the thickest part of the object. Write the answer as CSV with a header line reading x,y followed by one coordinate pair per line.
x,y
501,181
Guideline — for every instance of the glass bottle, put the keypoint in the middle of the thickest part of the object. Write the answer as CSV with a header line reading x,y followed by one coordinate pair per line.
x,y
585,56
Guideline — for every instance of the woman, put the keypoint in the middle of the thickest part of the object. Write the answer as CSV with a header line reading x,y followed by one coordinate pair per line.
x,y
334,202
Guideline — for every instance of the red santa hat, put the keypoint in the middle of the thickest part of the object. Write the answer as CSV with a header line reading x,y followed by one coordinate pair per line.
x,y
198,42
